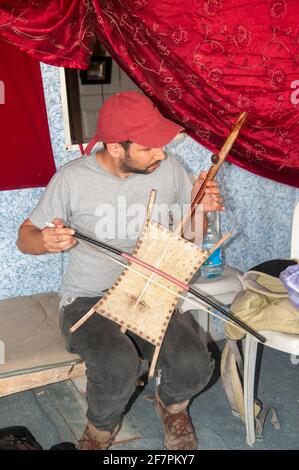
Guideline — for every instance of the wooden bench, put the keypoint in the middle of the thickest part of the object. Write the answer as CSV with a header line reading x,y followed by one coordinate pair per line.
x,y
34,350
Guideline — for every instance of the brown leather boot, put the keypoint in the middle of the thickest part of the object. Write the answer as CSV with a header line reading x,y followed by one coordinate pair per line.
x,y
179,433
97,439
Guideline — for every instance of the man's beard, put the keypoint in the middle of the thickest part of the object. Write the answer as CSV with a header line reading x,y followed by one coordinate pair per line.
x,y
127,167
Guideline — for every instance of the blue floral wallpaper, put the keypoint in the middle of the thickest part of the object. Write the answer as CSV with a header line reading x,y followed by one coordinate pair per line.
x,y
258,209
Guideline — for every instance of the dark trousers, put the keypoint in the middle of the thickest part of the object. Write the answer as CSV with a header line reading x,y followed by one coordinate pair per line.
x,y
113,361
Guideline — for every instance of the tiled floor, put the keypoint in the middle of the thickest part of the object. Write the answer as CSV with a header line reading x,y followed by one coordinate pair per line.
x,y
57,412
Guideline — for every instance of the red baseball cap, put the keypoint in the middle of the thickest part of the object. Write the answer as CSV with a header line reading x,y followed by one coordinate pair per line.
x,y
132,116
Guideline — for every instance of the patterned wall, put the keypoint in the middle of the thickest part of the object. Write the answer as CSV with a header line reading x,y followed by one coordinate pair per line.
x,y
259,209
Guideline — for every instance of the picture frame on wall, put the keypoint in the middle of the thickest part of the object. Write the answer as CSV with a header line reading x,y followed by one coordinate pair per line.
x,y
99,71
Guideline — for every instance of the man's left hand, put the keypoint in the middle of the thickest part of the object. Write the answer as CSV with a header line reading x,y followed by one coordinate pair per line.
x,y
212,200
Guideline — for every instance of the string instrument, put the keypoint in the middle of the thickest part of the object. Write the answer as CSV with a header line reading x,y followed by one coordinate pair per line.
x,y
217,161
144,296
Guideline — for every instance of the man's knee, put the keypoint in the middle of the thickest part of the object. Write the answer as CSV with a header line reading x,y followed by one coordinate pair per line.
x,y
113,369
194,368
203,369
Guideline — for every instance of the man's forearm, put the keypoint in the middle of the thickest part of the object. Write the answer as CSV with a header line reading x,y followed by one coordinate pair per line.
x,y
30,240
199,225
196,230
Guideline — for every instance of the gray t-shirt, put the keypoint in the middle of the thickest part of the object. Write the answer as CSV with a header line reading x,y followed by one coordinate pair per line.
x,y
107,208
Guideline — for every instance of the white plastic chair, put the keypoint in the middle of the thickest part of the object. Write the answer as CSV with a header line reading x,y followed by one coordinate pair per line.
x,y
281,341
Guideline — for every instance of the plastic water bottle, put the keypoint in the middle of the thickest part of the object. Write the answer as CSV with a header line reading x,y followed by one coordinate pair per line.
x,y
213,266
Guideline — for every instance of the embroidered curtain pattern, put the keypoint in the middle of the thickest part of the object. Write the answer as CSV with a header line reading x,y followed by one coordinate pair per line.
x,y
201,61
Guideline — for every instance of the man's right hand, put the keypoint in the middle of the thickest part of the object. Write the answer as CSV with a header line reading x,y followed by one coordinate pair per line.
x,y
47,240
58,238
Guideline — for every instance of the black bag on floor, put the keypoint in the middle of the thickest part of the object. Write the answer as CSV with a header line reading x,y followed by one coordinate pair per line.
x,y
18,438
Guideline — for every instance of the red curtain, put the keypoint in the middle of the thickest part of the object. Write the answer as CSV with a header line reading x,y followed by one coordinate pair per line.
x,y
201,61
57,32
25,148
